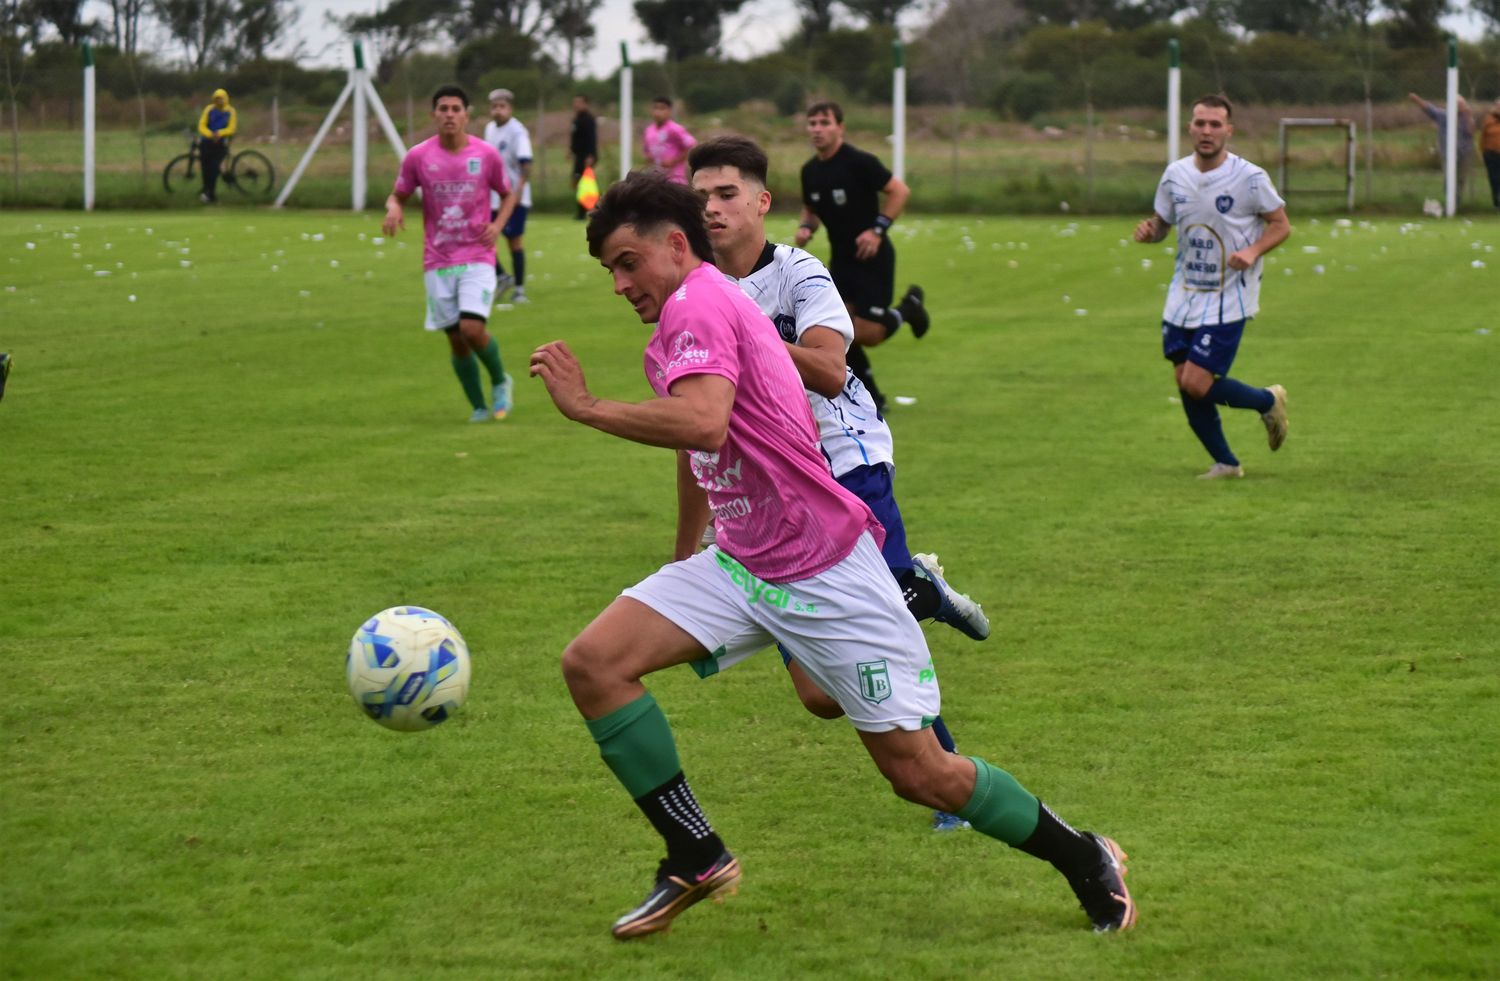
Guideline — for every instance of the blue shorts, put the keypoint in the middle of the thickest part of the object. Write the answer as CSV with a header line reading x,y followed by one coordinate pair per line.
x,y
1211,347
515,226
874,486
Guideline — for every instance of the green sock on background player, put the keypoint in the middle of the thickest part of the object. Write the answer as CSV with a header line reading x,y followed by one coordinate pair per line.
x,y
491,358
467,370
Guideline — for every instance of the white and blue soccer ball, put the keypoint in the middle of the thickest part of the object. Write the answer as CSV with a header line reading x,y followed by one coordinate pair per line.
x,y
408,668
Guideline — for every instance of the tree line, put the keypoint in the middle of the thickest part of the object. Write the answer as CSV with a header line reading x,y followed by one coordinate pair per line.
x,y
1018,57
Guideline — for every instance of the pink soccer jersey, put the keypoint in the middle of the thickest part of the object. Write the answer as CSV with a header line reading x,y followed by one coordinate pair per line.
x,y
777,508
668,140
455,199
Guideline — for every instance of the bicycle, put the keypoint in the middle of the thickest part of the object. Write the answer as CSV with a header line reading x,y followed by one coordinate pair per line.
x,y
248,172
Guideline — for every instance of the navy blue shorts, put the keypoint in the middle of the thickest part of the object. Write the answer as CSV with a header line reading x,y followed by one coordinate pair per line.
x,y
515,225
1212,347
873,485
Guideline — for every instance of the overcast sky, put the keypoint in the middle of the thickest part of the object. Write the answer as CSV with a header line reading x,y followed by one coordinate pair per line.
x,y
759,27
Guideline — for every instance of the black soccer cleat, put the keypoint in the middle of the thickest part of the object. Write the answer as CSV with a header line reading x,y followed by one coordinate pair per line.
x,y
914,312
4,372
1101,888
672,894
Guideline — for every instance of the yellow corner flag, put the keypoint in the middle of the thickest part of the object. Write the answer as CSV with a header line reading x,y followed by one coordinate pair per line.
x,y
588,188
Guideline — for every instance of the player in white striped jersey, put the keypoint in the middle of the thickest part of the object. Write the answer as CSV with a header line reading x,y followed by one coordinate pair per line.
x,y
794,289
506,133
1228,216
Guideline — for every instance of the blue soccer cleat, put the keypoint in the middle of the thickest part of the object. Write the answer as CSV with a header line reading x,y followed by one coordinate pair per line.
x,y
957,610
501,396
943,821
480,415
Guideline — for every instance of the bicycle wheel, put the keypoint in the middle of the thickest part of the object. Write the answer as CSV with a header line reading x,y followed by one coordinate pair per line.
x,y
251,173
180,175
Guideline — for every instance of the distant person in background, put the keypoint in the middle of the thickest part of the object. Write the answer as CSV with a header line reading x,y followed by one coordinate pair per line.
x,y
505,133
456,173
667,142
842,188
215,127
1228,216
583,143
1465,137
1489,143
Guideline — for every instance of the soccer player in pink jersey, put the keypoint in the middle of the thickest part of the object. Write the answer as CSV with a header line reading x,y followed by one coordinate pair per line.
x,y
796,560
667,141
456,173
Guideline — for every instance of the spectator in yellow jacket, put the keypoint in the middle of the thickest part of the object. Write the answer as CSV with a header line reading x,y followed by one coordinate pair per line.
x,y
215,127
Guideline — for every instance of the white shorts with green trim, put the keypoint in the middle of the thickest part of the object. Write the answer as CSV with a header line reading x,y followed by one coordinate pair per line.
x,y
847,627
456,290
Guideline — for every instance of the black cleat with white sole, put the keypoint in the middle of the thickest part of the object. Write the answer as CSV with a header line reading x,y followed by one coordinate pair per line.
x,y
674,893
1101,888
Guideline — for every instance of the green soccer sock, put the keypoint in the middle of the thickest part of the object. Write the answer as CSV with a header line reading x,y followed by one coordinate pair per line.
x,y
1000,807
636,742
491,358
467,370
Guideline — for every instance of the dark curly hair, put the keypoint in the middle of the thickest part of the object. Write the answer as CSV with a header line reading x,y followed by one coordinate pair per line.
x,y
646,201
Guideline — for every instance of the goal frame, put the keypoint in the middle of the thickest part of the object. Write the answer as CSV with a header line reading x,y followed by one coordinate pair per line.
x,y
1350,141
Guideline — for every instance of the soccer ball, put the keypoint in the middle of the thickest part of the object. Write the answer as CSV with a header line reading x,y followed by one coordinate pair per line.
x,y
408,668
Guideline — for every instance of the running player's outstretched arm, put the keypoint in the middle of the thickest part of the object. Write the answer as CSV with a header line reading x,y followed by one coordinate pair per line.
x,y
694,416
819,357
1153,229
692,510
395,216
1278,230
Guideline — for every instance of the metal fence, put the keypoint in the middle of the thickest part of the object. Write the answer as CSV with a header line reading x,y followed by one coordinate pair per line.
x,y
961,154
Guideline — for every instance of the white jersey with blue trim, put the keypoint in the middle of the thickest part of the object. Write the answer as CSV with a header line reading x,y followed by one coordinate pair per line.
x,y
514,144
793,288
1216,213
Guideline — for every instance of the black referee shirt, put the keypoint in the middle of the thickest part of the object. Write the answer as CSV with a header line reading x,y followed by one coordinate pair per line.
x,y
844,192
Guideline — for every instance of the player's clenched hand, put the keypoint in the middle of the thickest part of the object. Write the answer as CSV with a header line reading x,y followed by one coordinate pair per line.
x,y
490,234
395,220
560,371
1146,231
866,245
1243,259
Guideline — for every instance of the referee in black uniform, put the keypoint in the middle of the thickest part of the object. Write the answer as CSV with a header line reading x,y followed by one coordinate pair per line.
x,y
841,188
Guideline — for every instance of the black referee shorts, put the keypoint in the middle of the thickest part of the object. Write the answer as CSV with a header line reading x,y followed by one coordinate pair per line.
x,y
866,284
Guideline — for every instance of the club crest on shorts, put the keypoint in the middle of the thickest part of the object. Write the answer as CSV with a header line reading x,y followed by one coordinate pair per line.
x,y
1223,202
874,680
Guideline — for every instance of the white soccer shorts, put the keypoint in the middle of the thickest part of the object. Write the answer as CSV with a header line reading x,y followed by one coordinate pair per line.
x,y
456,290
847,627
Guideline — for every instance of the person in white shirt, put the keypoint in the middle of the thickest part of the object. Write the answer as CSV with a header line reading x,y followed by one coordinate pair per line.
x,y
1228,216
505,133
795,290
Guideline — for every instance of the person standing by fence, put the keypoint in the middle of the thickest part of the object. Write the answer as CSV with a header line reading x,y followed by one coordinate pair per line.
x,y
215,126
1465,137
1489,145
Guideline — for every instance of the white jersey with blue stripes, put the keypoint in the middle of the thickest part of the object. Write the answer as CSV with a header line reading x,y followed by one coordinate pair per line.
x,y
794,289
514,144
1216,213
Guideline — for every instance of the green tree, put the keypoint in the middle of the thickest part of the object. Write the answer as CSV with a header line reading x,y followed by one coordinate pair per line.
x,y
66,18
200,26
397,29
1414,23
685,27
878,13
260,24
570,25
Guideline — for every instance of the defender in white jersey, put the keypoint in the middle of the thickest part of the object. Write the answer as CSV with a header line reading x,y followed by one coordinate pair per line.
x,y
505,133
1228,216
795,290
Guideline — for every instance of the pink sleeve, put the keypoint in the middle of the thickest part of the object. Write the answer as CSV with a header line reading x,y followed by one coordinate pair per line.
x,y
697,339
685,139
406,178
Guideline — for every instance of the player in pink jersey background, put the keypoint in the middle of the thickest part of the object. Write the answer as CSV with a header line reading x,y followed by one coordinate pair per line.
x,y
667,141
796,560
456,172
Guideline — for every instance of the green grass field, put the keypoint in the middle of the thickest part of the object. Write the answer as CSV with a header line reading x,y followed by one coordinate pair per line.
x,y
1279,694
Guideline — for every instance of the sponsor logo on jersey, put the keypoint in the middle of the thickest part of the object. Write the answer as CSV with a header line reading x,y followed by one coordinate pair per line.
x,y
454,187
1223,202
683,351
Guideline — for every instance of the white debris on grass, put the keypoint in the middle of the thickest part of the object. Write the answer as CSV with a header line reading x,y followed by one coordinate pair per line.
x,y
31,246
333,263
131,298
1318,270
1080,312
906,400
1477,264
304,294
1145,263
185,263
1310,250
